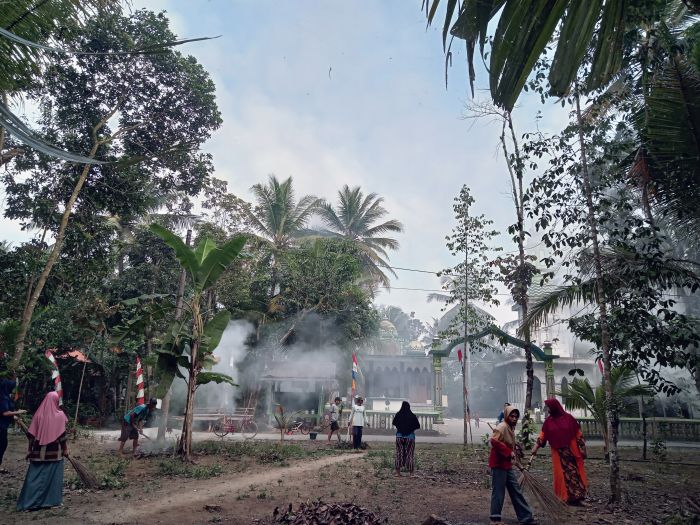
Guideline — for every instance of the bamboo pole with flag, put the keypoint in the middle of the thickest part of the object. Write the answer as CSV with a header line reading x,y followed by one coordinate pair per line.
x,y
55,376
354,375
140,392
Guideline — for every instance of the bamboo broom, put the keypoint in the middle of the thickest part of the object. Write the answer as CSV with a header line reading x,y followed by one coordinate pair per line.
x,y
86,477
555,509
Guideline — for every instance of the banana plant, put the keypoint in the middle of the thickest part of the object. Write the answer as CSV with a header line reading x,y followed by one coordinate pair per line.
x,y
191,341
188,343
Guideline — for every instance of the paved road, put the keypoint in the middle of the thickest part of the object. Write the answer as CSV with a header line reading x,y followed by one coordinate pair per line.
x,y
451,432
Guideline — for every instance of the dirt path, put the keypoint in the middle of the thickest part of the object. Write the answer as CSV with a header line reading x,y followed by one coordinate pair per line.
x,y
166,503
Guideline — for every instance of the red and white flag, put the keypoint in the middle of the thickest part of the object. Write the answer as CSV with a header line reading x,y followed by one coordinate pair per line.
x,y
459,354
140,393
55,376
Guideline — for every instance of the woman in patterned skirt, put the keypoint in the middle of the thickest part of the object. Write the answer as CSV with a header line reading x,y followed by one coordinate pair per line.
x,y
406,424
43,485
563,433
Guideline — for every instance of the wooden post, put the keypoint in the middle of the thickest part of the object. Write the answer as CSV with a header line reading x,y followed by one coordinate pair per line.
x,y
549,371
80,390
127,398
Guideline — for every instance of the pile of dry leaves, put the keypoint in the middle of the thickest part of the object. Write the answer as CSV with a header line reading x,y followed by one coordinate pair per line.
x,y
318,513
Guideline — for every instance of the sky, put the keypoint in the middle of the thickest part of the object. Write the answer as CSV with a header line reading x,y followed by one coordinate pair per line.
x,y
333,92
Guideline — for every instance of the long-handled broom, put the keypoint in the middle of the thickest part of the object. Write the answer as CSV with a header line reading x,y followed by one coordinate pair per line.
x,y
554,508
87,477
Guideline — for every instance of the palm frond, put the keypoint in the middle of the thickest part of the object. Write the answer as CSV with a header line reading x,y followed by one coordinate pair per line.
x,y
550,300
24,134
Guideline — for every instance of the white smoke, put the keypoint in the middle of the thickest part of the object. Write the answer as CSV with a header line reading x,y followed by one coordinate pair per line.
x,y
229,353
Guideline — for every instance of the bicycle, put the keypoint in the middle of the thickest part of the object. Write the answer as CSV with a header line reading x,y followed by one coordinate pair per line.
x,y
246,426
299,425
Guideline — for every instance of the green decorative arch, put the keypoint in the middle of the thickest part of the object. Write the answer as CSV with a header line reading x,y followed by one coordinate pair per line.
x,y
504,338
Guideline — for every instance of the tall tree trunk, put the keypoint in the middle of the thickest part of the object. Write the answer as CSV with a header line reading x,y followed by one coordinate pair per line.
x,y
165,407
60,235
53,257
185,445
518,198
465,385
615,488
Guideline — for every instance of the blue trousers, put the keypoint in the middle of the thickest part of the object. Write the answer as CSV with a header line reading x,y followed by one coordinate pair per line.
x,y
356,437
500,481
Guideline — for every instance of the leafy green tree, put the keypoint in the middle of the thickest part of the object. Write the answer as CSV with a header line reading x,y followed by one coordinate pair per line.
x,y
33,33
225,210
517,270
609,252
356,217
156,109
324,277
471,280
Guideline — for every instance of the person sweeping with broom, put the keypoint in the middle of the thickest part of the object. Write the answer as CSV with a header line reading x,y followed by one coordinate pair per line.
x,y
132,424
565,438
501,461
48,445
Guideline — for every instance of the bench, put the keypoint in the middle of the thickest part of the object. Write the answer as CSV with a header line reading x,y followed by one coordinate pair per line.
x,y
213,415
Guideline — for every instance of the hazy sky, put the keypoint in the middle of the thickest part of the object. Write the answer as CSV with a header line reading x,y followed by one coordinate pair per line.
x,y
336,92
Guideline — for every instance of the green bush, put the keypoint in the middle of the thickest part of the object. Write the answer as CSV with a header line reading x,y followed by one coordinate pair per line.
x,y
114,477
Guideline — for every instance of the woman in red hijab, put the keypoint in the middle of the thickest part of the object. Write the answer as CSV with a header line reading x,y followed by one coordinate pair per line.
x,y
563,433
48,445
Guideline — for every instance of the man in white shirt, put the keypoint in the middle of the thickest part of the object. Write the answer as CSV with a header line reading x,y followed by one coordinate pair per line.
x,y
357,422
334,417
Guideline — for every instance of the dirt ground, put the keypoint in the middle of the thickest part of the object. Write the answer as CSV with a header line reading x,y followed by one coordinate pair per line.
x,y
243,482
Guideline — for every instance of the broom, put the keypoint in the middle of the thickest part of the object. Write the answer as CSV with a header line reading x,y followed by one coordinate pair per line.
x,y
554,508
86,477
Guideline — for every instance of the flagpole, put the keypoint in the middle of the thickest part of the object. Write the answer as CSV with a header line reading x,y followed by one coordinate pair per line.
x,y
80,390
82,376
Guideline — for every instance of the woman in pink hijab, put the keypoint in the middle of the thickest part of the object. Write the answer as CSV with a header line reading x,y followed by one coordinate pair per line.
x,y
43,484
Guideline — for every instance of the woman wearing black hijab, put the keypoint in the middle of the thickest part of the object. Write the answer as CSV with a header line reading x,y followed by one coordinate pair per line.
x,y
406,424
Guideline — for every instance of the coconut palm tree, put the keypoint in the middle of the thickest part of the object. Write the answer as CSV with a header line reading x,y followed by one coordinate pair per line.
x,y
356,217
579,394
277,217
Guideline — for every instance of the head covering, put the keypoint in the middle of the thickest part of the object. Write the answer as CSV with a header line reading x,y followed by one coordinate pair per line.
x,y
503,431
405,421
7,386
153,401
49,421
560,427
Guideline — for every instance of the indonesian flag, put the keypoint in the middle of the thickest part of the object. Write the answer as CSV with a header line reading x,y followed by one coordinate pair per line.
x,y
140,394
355,370
600,366
55,376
